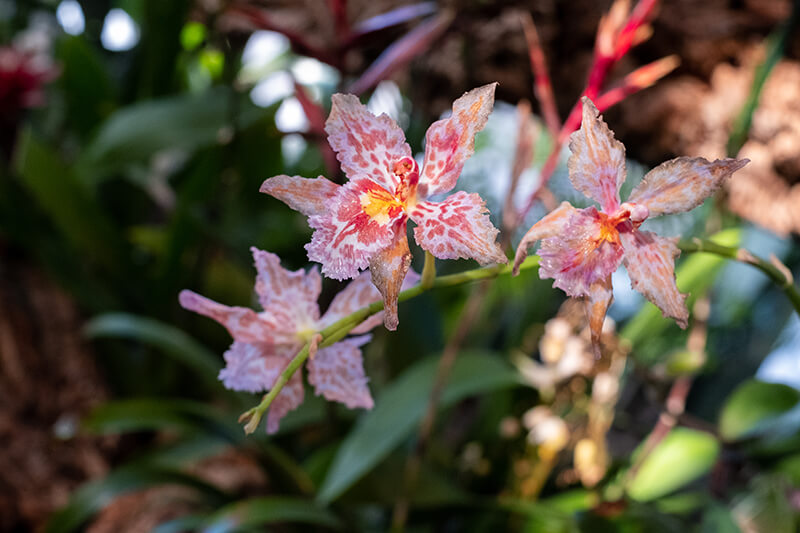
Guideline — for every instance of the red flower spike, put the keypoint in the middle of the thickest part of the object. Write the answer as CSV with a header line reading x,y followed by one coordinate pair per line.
x,y
363,223
265,342
581,248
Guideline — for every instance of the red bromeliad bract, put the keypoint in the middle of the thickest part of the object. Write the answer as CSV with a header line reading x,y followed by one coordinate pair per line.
x,y
362,224
581,248
264,343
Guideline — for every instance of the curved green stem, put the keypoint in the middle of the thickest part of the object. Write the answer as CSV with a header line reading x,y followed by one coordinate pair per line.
x,y
776,271
338,330
428,271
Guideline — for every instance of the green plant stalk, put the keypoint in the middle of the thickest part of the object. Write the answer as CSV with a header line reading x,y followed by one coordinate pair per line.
x,y
778,273
428,271
775,270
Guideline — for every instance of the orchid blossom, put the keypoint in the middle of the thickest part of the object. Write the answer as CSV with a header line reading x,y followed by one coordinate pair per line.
x,y
264,343
581,248
363,223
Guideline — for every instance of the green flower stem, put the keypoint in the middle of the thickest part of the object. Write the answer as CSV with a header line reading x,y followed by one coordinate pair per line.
x,y
774,269
338,330
428,271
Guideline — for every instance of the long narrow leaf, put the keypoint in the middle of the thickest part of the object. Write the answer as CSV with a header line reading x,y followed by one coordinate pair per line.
x,y
399,409
94,496
170,340
260,512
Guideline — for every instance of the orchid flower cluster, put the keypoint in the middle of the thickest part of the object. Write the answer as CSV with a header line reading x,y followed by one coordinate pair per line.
x,y
363,225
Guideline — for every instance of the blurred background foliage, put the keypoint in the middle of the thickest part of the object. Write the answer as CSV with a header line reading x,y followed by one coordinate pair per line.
x,y
134,173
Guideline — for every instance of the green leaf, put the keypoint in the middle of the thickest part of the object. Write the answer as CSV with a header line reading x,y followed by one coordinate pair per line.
x,y
187,122
399,409
152,414
170,340
753,405
694,275
271,510
93,496
718,519
88,91
69,203
766,508
683,456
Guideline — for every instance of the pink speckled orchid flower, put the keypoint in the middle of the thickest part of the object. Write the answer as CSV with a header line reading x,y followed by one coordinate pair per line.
x,y
363,223
581,248
265,342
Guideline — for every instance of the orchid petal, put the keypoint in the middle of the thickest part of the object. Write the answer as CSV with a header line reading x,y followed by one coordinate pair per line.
x,y
244,325
548,226
254,367
650,262
360,222
337,373
308,196
388,269
682,184
366,145
582,254
450,142
288,399
357,294
458,227
597,163
290,298
598,300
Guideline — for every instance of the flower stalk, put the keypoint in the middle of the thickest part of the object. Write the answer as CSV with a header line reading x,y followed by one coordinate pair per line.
x,y
338,330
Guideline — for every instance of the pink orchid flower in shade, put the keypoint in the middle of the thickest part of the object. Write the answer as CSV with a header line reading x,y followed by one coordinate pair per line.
x,y
581,248
265,342
363,223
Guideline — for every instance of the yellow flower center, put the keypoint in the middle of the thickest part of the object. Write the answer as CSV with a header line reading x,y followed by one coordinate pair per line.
x,y
378,204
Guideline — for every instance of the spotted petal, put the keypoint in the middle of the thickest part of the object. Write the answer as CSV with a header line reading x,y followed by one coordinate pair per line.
x,y
650,262
598,300
682,184
457,228
288,399
449,142
580,255
337,373
244,325
308,196
290,298
254,367
388,269
365,145
360,222
550,225
597,163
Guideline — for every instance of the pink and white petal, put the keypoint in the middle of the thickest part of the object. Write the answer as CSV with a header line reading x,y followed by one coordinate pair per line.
x,y
388,270
254,367
597,303
458,227
682,184
290,298
597,163
337,373
579,255
548,226
650,262
244,325
288,399
365,145
450,142
306,195
361,221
